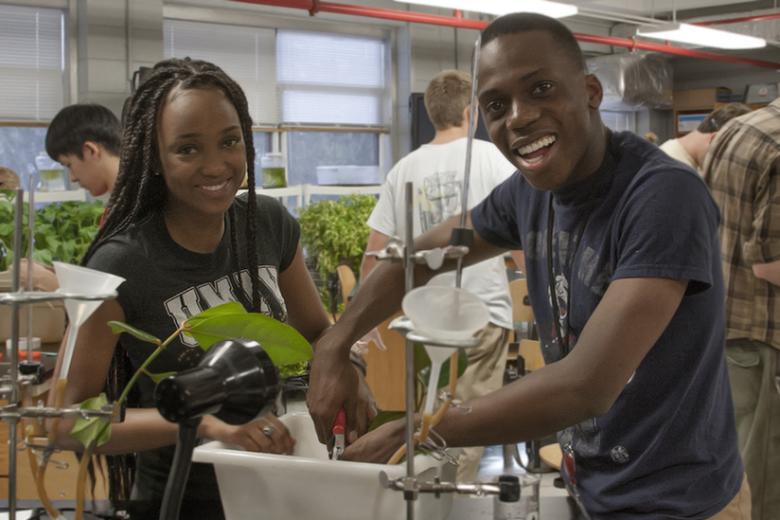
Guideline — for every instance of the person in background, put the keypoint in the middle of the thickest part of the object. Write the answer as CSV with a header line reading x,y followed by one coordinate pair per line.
x,y
183,243
691,148
437,169
651,137
85,139
624,279
8,179
742,170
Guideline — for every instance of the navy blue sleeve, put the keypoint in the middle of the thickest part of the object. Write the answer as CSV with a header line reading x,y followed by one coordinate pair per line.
x,y
495,219
668,229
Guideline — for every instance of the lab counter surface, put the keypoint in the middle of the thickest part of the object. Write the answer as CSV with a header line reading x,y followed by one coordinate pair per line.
x,y
554,504
553,507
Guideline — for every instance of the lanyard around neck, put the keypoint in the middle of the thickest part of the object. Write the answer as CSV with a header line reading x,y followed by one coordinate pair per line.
x,y
563,341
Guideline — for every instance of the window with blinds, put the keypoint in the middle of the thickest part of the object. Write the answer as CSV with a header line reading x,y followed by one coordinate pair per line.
x,y
32,64
331,78
246,54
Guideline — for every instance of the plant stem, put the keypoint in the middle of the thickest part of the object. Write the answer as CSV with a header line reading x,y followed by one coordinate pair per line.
x,y
118,403
146,363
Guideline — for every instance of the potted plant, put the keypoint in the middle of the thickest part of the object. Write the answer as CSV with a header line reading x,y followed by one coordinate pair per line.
x,y
335,232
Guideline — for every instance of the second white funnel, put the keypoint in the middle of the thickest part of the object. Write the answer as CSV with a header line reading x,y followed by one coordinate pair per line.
x,y
82,280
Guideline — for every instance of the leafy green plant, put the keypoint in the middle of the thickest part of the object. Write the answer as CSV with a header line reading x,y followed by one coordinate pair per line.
x,y
283,344
63,231
335,232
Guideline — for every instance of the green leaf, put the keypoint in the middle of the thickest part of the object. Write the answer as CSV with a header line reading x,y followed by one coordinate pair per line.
x,y
444,375
118,327
293,370
283,343
384,417
159,376
225,309
95,430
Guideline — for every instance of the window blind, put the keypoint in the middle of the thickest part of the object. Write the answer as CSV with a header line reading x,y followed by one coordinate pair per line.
x,y
32,64
331,78
246,54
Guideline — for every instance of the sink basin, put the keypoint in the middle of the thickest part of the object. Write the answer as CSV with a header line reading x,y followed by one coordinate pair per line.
x,y
308,485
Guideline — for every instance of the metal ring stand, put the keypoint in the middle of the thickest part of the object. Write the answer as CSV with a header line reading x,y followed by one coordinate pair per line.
x,y
410,485
11,383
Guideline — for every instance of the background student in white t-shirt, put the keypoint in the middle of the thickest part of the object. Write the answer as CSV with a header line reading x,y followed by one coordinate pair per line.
x,y
437,171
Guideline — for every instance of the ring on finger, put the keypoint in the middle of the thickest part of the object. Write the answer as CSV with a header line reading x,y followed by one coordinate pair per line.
x,y
268,430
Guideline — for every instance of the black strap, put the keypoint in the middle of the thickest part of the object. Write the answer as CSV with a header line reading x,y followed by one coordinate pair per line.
x,y
564,341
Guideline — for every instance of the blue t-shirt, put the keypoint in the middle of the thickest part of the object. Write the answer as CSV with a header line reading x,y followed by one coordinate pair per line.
x,y
667,448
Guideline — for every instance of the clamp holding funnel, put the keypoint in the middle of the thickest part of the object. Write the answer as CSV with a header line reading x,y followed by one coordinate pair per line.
x,y
443,313
80,280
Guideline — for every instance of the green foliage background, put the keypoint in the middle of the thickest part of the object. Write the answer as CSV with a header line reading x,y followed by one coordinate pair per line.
x,y
63,231
335,232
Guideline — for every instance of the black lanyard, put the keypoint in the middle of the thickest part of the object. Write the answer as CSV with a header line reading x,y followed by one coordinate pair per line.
x,y
563,341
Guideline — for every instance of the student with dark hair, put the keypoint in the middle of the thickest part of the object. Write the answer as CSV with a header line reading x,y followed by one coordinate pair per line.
x,y
85,138
691,148
183,242
624,277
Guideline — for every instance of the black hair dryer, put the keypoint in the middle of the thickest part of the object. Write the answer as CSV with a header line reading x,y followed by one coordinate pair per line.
x,y
235,381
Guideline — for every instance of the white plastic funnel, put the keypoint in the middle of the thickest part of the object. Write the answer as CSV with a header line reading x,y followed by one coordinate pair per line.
x,y
445,312
438,356
82,280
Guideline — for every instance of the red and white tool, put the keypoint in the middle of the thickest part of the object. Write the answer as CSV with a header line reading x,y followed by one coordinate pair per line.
x,y
339,442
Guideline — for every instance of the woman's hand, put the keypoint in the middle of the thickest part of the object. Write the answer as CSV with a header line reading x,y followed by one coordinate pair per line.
x,y
266,434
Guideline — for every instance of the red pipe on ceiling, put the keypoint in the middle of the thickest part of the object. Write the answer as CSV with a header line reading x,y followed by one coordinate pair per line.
x,y
754,18
463,23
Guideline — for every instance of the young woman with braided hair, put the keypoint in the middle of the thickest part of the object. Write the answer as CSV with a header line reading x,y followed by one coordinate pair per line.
x,y
182,240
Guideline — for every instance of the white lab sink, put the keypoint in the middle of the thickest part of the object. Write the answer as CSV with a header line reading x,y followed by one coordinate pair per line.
x,y
307,485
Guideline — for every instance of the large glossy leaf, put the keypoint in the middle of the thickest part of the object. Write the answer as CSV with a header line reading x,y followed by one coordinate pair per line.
x,y
93,429
225,309
118,327
283,343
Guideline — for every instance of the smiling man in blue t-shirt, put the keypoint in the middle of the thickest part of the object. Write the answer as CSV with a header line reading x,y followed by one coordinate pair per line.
x,y
624,277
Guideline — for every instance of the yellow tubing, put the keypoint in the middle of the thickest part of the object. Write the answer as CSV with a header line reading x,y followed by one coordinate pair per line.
x,y
81,482
429,421
39,474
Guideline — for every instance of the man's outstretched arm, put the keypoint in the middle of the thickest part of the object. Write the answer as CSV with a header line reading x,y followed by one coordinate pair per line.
x,y
332,382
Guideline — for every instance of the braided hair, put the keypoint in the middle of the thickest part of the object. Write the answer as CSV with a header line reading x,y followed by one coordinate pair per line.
x,y
140,191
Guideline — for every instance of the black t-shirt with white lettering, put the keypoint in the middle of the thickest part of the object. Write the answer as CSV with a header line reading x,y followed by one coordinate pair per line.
x,y
166,284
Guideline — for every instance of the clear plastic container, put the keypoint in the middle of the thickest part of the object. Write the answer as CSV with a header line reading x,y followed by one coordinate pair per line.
x,y
50,172
274,170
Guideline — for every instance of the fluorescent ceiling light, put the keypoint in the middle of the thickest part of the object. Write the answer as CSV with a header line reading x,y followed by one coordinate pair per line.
x,y
704,36
499,7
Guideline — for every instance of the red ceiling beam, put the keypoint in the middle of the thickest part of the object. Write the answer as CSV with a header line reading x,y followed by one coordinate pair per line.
x,y
742,19
463,23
